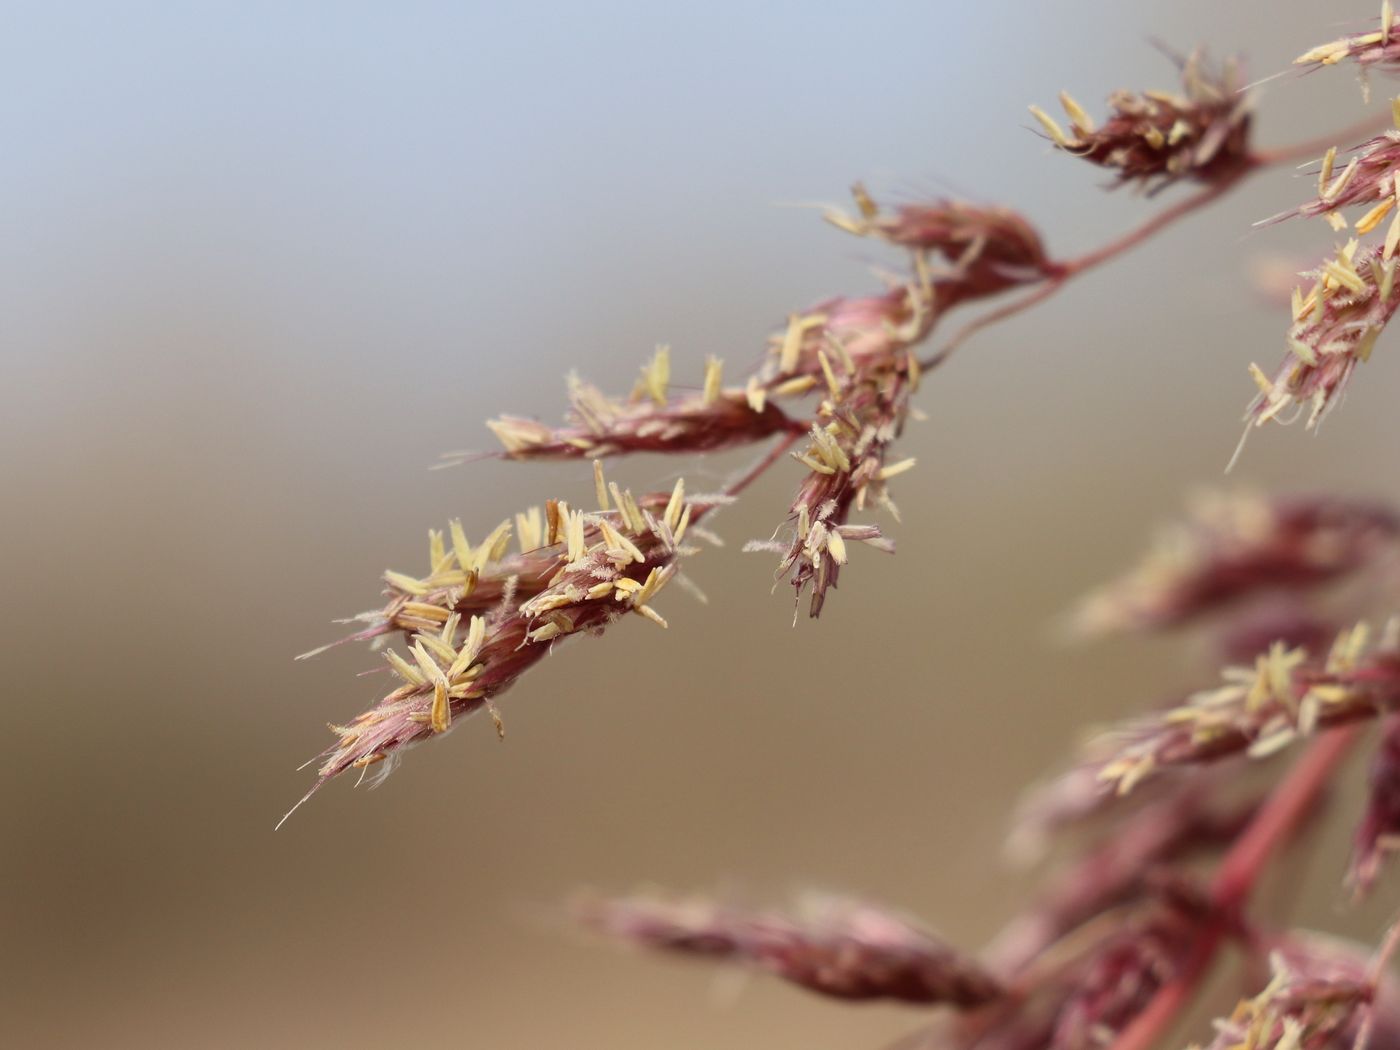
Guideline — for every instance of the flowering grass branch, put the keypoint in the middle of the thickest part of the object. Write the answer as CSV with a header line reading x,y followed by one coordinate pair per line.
x,y
1276,823
840,948
1126,931
1061,273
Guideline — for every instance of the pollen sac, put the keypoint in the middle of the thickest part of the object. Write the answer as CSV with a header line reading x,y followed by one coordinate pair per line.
x,y
834,946
1156,138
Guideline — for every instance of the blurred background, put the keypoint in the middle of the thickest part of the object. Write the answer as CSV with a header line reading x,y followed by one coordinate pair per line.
x,y
261,263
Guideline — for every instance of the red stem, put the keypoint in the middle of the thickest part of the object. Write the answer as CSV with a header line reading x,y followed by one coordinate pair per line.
x,y
1045,291
1158,222
1066,271
756,471
1279,818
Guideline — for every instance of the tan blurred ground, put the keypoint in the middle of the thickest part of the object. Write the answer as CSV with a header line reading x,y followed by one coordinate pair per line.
x,y
259,265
